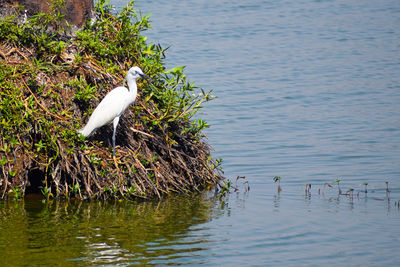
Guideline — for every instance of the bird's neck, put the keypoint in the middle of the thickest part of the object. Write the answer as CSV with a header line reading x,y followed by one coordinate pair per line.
x,y
132,86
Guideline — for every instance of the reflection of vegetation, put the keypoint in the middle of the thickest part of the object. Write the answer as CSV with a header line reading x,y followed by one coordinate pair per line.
x,y
325,185
387,190
51,80
307,189
337,181
365,184
96,232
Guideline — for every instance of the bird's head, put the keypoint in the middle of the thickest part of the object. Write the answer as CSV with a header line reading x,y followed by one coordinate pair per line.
x,y
135,73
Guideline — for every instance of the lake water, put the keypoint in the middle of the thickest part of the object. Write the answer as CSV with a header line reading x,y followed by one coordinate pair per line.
x,y
307,90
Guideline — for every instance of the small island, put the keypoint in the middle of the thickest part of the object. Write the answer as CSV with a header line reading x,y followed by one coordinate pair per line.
x,y
52,77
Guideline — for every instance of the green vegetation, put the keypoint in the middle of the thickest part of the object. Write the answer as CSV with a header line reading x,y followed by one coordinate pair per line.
x,y
51,80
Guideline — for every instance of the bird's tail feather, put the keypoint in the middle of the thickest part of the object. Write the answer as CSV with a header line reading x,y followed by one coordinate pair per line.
x,y
85,131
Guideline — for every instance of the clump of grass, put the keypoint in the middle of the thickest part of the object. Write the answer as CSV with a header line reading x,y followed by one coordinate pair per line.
x,y
224,189
51,81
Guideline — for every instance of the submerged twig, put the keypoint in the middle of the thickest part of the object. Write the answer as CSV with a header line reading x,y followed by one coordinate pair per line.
x,y
277,179
308,189
325,185
337,181
245,183
365,184
387,190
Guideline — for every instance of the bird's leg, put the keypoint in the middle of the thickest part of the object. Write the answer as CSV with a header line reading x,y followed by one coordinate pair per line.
x,y
113,142
115,123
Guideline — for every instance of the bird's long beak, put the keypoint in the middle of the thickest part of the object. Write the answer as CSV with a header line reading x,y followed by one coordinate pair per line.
x,y
147,78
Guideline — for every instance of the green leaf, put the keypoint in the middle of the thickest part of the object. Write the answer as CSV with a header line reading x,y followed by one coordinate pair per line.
x,y
176,69
3,161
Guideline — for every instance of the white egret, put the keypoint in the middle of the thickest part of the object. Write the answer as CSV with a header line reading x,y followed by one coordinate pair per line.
x,y
114,104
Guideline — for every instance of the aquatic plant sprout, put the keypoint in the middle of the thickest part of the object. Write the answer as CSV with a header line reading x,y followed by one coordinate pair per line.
x,y
277,179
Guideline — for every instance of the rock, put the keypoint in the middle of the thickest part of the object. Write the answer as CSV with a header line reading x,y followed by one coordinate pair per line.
x,y
76,11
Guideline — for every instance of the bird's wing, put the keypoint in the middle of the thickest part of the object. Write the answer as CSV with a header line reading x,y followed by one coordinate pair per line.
x,y
110,107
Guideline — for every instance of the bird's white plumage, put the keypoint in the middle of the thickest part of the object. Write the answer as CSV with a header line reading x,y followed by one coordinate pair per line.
x,y
114,104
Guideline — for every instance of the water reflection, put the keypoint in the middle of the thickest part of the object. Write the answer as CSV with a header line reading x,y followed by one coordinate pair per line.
x,y
187,230
276,202
103,233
